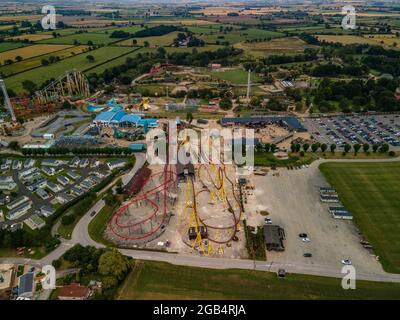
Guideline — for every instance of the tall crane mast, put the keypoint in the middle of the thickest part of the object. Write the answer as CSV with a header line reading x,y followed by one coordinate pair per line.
x,y
7,101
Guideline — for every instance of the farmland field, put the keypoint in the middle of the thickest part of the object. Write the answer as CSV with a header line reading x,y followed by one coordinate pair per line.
x,y
78,62
32,37
346,39
20,17
184,22
83,38
36,61
121,60
276,46
160,280
4,46
164,40
240,35
31,51
371,192
388,40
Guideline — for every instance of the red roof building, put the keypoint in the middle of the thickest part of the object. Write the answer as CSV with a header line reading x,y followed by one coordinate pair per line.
x,y
74,291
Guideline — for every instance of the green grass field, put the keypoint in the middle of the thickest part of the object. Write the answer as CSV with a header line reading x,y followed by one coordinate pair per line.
x,y
122,60
34,62
268,159
164,40
240,35
159,280
371,192
78,62
4,46
236,76
98,224
82,38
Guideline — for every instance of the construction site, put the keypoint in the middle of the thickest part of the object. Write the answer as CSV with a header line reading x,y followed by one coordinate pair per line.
x,y
193,209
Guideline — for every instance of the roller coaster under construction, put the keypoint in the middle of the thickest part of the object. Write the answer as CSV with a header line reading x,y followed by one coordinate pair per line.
x,y
146,215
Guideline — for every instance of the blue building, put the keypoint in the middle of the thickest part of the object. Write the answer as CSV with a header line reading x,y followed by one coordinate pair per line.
x,y
26,285
123,119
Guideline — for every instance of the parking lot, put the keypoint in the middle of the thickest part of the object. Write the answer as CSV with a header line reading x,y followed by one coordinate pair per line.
x,y
371,129
292,200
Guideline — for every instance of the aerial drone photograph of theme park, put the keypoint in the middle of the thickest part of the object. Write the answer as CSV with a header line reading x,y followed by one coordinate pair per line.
x,y
102,103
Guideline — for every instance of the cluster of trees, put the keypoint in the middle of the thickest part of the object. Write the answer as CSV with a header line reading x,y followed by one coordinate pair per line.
x,y
25,238
142,63
120,34
309,55
79,209
204,93
357,95
50,60
155,31
334,70
107,265
193,41
265,147
225,103
296,147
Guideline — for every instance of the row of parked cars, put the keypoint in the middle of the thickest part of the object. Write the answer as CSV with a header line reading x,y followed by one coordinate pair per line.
x,y
361,129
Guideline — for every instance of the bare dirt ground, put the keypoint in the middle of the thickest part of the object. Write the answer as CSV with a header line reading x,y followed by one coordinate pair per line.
x,y
292,199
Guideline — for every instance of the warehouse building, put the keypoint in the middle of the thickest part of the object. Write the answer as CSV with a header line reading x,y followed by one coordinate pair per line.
x,y
274,236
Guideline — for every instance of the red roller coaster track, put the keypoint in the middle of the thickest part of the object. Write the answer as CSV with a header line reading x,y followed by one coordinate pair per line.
x,y
115,219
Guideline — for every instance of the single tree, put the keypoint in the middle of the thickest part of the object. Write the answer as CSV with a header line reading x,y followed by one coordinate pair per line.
x,y
90,58
356,148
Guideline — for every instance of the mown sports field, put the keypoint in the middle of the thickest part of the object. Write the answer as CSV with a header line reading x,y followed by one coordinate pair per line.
x,y
371,192
159,280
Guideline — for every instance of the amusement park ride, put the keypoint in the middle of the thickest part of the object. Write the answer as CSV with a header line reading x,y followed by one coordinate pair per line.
x,y
73,84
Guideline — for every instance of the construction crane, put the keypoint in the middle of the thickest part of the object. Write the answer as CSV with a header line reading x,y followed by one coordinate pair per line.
x,y
7,101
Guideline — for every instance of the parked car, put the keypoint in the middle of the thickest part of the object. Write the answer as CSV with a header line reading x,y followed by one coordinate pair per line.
x,y
346,262
268,221
281,273
303,235
307,255
93,213
305,240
